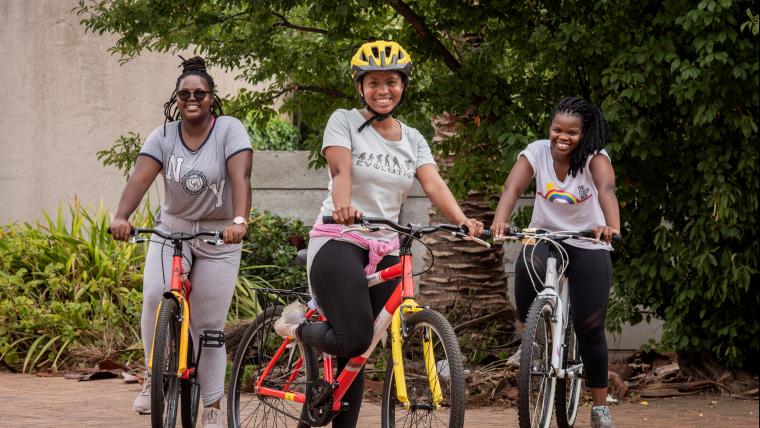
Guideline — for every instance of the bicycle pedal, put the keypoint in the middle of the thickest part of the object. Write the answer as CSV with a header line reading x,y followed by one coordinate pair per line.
x,y
212,339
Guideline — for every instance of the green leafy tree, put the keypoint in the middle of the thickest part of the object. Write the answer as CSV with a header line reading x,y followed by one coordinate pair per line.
x,y
678,81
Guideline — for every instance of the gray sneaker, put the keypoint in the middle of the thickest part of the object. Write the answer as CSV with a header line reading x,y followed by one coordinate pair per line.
x,y
292,316
514,359
600,417
141,404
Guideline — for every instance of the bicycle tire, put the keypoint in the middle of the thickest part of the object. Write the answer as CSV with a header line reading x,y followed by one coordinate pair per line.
x,y
537,384
190,391
567,398
449,368
244,407
164,392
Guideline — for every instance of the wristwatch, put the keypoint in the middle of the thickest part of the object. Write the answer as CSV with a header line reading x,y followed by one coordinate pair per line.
x,y
240,220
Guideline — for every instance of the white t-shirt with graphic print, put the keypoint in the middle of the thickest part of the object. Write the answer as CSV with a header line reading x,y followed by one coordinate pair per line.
x,y
382,171
196,183
569,205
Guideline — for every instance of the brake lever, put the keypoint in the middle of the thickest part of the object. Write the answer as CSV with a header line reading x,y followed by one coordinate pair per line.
x,y
135,239
216,240
367,229
471,238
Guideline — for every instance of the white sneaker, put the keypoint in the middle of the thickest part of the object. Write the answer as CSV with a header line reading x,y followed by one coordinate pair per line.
x,y
514,359
292,316
141,404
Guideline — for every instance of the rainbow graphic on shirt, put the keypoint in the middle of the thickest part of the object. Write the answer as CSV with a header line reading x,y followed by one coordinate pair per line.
x,y
560,196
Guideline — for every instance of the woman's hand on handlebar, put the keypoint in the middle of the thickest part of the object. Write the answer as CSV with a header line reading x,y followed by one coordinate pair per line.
x,y
499,229
121,229
474,227
346,215
234,233
605,233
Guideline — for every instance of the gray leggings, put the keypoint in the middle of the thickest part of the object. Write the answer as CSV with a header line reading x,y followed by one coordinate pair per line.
x,y
213,276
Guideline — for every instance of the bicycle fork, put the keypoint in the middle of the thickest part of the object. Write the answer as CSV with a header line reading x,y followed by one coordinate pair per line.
x,y
184,330
560,319
398,363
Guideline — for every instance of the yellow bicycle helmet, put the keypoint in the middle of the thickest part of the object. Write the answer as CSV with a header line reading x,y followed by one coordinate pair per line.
x,y
380,55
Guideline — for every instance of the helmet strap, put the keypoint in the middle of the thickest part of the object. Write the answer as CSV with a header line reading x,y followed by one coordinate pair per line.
x,y
378,116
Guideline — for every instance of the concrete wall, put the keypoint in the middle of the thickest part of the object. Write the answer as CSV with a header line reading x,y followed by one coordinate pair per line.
x,y
65,98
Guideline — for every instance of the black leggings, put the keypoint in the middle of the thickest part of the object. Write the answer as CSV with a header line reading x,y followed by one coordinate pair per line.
x,y
590,279
339,284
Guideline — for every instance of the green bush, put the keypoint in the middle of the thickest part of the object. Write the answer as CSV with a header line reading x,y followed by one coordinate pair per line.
x,y
277,134
269,249
67,287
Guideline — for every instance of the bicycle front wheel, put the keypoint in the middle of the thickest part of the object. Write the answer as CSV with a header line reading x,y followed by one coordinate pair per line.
x,y
293,371
568,394
164,392
190,391
434,376
537,384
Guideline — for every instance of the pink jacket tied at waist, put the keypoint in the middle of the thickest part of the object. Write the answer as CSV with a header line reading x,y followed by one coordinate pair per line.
x,y
377,248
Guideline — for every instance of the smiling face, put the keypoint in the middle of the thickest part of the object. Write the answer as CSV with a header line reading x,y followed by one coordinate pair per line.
x,y
194,110
382,90
565,132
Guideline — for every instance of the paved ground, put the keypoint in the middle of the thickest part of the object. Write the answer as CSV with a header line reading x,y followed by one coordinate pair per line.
x,y
31,401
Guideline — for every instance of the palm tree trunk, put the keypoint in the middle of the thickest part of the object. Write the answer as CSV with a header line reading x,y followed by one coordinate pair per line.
x,y
468,281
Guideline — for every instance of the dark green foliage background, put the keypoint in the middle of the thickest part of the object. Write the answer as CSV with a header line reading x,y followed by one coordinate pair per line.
x,y
677,79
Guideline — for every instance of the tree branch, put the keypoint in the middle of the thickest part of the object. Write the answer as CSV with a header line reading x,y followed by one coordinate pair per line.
x,y
286,23
422,29
334,93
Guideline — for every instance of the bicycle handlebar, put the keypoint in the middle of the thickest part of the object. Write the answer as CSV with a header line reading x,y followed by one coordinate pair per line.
x,y
176,236
458,230
517,233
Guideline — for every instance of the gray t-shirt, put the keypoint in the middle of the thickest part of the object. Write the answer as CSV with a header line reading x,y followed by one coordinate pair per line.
x,y
196,183
382,171
569,205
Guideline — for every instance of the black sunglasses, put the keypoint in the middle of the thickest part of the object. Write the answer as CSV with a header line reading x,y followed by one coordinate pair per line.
x,y
199,94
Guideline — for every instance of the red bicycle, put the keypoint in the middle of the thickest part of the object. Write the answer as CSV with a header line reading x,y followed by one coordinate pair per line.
x,y
276,381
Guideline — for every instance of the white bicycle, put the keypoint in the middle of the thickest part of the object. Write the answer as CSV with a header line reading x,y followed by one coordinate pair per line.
x,y
551,369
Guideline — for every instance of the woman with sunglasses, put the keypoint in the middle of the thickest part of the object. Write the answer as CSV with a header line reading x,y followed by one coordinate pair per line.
x,y
205,160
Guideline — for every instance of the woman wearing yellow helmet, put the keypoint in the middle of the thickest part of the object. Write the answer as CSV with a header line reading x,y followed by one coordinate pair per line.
x,y
373,160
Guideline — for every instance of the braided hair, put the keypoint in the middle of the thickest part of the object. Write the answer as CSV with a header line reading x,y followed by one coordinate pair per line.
x,y
193,66
595,130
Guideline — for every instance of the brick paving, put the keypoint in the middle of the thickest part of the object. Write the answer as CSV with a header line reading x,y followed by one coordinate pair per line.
x,y
31,401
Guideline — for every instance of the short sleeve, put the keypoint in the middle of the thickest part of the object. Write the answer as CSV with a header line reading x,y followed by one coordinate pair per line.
x,y
236,140
532,153
424,156
152,147
337,131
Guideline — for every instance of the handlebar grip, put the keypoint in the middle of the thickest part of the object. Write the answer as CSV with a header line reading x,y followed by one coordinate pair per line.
x,y
590,234
327,219
131,232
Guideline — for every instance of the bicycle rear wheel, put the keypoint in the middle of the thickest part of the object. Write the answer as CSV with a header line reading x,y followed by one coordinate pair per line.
x,y
427,329
537,384
291,373
164,393
568,394
190,391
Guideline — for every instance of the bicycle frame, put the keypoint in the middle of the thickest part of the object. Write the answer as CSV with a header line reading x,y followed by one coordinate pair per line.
x,y
401,301
179,291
